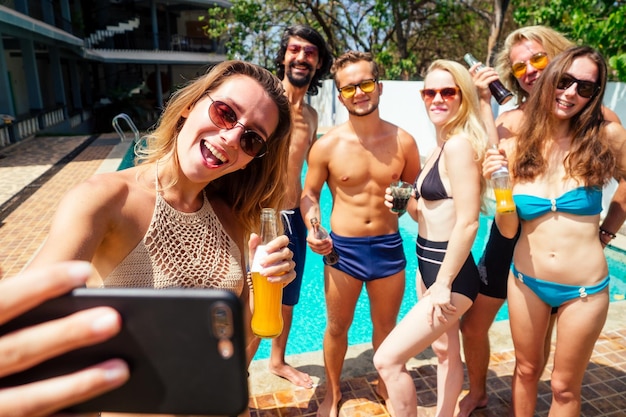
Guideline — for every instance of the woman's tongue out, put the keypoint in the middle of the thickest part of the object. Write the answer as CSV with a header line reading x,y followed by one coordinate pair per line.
x,y
212,155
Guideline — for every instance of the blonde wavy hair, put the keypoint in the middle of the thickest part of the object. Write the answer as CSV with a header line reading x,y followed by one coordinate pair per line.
x,y
553,44
467,119
261,183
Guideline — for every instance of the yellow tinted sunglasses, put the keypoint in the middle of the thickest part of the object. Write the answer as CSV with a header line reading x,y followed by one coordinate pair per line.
x,y
367,86
539,61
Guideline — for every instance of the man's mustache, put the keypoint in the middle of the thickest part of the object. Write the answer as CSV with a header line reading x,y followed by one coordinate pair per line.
x,y
302,64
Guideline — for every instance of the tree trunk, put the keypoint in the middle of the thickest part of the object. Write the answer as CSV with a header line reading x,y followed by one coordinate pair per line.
x,y
499,10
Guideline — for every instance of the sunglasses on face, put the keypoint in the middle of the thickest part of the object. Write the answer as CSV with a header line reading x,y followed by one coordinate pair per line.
x,y
309,50
367,86
224,117
446,94
539,61
585,89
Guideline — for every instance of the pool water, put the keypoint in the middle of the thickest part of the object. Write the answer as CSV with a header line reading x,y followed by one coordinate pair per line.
x,y
309,318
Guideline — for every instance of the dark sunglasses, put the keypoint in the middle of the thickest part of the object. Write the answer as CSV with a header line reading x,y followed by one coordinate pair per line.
x,y
224,117
309,50
367,86
585,89
447,93
539,60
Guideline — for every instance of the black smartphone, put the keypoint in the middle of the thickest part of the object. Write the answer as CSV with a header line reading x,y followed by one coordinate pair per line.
x,y
185,349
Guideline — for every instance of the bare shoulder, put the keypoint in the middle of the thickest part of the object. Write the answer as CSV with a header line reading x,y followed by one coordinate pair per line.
x,y
614,129
458,143
508,123
616,134
403,135
459,153
610,115
329,139
406,140
510,115
310,111
102,193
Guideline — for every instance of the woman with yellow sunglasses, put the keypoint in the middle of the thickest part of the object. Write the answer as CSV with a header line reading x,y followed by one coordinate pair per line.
x,y
526,52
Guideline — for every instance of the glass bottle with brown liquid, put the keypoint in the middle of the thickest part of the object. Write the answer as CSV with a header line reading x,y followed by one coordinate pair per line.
x,y
498,91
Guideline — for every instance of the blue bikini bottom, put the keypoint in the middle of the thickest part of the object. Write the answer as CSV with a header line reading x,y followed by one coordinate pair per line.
x,y
555,294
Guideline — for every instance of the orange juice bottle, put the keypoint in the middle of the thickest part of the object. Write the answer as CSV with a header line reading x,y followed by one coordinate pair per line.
x,y
267,319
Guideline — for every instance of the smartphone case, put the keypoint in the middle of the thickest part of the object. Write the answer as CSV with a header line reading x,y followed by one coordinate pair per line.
x,y
185,349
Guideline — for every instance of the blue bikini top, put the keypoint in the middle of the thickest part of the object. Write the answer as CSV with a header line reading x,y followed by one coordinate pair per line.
x,y
582,201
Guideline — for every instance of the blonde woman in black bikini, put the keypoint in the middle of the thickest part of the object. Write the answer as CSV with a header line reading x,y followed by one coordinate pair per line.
x,y
447,208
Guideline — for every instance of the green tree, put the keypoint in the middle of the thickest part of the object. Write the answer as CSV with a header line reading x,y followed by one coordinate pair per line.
x,y
405,36
598,23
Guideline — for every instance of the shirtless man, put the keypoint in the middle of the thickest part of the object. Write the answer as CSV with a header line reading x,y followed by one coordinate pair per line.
x,y
303,61
358,160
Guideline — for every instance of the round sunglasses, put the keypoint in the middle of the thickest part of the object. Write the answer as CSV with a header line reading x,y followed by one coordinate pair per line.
x,y
447,93
367,86
224,117
539,61
585,89
309,50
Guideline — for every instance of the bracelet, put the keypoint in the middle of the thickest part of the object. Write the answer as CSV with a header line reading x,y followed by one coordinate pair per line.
x,y
605,232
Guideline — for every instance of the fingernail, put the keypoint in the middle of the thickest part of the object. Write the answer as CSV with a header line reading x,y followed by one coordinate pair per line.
x,y
80,271
115,370
105,322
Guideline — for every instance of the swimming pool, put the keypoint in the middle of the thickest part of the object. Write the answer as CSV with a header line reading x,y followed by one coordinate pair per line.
x,y
309,319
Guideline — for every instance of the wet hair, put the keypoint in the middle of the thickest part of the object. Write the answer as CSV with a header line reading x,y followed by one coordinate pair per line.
x,y
352,57
325,56
553,43
590,160
467,120
261,183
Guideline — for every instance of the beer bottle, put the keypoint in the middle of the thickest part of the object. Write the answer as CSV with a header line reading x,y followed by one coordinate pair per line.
x,y
321,233
498,91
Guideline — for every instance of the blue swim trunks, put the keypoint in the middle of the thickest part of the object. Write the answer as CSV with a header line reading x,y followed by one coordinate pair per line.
x,y
296,231
369,257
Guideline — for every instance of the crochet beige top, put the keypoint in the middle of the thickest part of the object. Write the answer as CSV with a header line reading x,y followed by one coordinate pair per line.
x,y
182,250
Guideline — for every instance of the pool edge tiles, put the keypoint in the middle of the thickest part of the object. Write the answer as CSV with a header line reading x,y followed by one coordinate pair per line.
x,y
358,361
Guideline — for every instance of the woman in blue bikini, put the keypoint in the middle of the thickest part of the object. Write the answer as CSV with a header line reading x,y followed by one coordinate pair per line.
x,y
564,153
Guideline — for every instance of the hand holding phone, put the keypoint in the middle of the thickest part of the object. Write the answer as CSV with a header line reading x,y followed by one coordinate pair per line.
x,y
38,343
184,347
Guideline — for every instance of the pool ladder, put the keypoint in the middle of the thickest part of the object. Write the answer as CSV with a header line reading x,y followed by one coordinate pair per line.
x,y
120,131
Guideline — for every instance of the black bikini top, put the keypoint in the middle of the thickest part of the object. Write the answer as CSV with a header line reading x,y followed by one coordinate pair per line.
x,y
432,188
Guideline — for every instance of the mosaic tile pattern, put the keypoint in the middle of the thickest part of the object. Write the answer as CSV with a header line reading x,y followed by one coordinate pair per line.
x,y
604,390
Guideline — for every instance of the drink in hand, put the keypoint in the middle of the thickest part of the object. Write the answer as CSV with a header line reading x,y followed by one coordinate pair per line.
x,y
502,190
267,319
